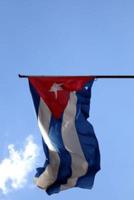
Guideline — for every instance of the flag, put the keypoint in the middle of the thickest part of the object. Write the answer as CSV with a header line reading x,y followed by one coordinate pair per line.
x,y
71,148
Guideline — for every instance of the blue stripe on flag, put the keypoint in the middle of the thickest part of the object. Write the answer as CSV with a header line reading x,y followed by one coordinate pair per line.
x,y
40,170
65,158
87,137
36,101
36,98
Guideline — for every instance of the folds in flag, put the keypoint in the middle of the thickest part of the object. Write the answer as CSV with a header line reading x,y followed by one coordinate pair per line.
x,y
72,153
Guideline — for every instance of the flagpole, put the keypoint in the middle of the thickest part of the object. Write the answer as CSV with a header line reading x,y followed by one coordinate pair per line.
x,y
94,76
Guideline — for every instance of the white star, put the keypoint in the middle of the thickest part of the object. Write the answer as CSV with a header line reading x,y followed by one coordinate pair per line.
x,y
55,88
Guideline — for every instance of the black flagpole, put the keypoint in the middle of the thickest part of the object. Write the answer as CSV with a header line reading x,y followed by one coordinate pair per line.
x,y
94,76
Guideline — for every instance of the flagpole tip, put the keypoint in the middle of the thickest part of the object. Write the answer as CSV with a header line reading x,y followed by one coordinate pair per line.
x,y
22,76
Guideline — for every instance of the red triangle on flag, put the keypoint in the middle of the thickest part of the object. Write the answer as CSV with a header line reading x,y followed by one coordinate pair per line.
x,y
55,91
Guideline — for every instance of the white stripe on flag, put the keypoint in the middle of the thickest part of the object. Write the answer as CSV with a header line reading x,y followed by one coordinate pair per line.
x,y
49,176
72,144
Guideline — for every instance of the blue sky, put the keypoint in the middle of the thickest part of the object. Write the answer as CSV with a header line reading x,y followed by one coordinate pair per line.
x,y
73,37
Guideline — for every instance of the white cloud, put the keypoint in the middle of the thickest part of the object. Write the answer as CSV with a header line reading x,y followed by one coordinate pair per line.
x,y
14,170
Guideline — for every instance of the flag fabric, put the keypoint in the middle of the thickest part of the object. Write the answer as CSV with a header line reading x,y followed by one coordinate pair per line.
x,y
71,148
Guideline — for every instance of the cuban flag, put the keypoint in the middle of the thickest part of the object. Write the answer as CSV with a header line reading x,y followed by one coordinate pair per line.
x,y
71,149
